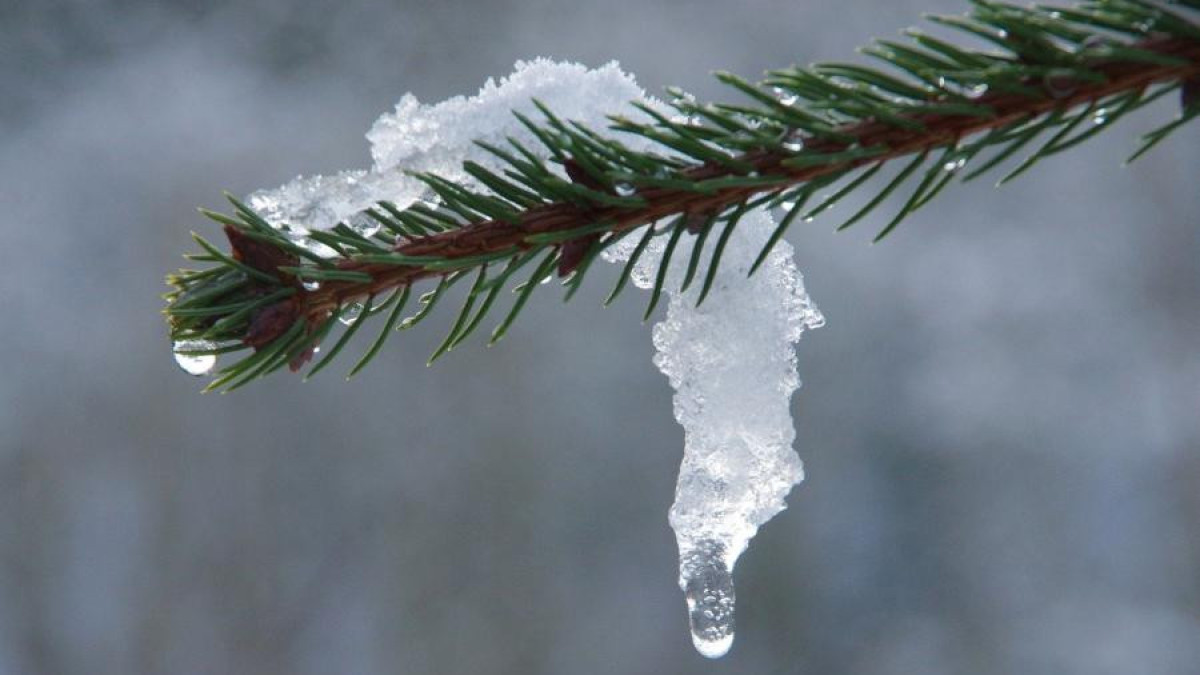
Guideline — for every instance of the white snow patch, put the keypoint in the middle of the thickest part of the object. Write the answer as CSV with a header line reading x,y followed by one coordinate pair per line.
x,y
440,137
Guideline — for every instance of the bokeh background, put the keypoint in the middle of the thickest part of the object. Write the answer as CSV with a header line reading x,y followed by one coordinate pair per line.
x,y
1000,421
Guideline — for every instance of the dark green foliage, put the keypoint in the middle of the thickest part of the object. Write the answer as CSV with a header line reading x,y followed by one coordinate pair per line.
x,y
1050,78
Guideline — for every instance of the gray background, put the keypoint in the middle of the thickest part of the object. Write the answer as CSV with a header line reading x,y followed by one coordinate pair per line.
x,y
999,422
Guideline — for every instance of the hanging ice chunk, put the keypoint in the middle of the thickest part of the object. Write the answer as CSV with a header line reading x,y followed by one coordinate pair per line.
x,y
733,367
731,361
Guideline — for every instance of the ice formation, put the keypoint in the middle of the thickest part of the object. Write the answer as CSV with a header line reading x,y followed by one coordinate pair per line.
x,y
731,361
732,364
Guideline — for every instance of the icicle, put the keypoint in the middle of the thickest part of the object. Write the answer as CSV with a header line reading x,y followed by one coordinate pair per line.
x,y
732,364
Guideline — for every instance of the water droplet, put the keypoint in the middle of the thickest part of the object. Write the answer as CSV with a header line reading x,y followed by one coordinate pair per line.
x,y
785,97
708,587
787,205
793,143
624,189
192,363
1100,116
351,313
954,164
310,285
964,90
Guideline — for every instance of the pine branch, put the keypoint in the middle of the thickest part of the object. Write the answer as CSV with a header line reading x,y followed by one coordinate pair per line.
x,y
1065,73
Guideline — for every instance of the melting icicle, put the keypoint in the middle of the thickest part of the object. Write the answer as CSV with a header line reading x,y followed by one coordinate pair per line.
x,y
732,364
191,362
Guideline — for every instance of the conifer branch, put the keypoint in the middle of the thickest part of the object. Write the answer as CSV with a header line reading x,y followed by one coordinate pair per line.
x,y
1063,72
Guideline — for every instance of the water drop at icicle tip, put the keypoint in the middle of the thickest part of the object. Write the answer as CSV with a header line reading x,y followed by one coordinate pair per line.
x,y
707,584
191,363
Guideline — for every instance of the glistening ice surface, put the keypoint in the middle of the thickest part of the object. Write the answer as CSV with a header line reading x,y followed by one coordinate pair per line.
x,y
731,362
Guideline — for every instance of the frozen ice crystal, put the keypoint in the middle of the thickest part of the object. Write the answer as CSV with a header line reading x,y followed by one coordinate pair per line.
x,y
732,364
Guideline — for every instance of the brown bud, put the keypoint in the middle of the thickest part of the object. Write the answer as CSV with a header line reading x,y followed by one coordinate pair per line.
x,y
302,358
694,222
574,251
270,322
1189,93
1060,83
305,356
259,254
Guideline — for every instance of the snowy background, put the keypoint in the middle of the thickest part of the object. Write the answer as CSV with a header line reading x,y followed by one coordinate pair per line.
x,y
999,423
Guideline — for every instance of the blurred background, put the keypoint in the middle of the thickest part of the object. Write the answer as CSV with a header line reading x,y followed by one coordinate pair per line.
x,y
999,422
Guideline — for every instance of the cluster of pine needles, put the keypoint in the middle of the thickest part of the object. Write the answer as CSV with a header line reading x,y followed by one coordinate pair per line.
x,y
1005,79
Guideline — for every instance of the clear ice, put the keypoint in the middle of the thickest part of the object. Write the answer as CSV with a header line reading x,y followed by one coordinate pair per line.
x,y
732,364
731,361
